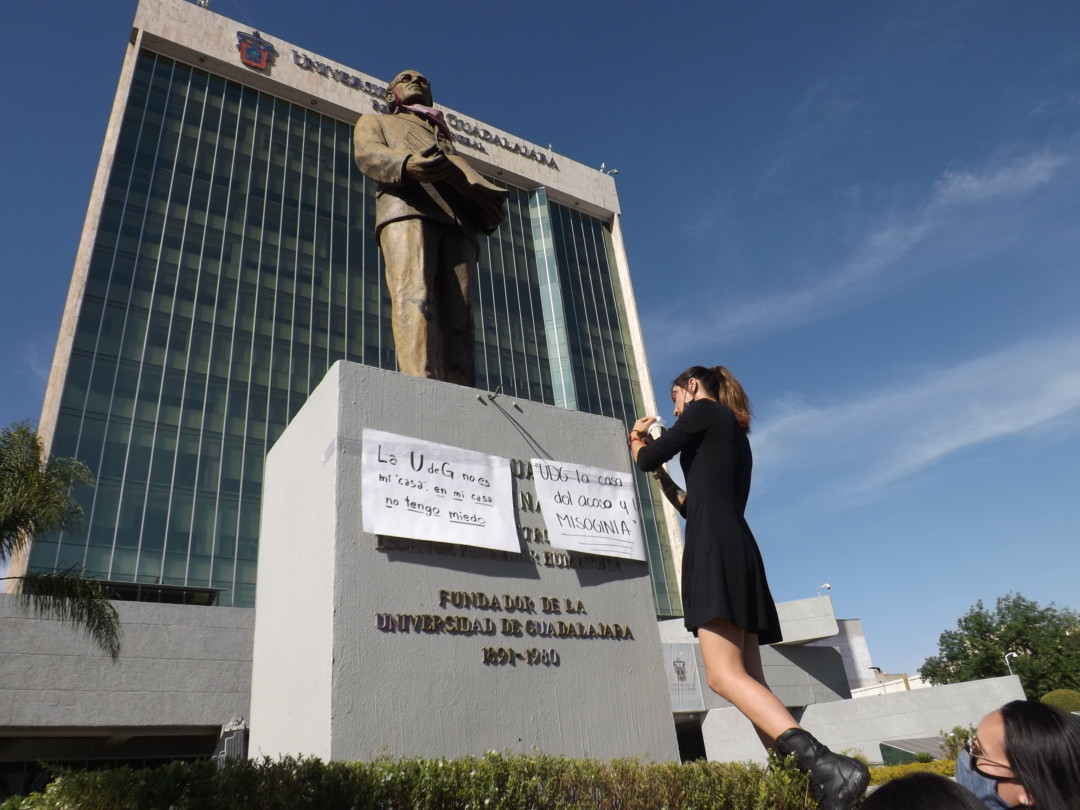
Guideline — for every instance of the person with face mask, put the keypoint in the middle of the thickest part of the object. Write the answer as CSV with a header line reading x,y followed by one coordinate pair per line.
x,y
983,787
1025,754
726,599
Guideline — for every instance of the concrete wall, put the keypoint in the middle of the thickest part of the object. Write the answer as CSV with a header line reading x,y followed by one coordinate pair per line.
x,y
294,600
365,691
180,666
850,640
889,684
862,725
804,620
798,675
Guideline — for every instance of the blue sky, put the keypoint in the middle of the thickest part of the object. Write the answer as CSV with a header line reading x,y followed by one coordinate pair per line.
x,y
867,211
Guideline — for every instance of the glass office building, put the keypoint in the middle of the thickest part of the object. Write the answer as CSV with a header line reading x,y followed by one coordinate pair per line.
x,y
230,259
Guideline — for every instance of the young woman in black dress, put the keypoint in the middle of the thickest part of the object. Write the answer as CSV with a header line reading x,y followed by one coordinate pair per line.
x,y
726,598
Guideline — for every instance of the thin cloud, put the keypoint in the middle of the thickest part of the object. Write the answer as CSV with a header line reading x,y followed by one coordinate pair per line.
x,y
966,214
900,430
958,188
824,108
37,359
27,372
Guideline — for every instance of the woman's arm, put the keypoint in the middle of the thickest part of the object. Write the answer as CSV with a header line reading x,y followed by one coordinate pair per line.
x,y
671,490
639,439
649,454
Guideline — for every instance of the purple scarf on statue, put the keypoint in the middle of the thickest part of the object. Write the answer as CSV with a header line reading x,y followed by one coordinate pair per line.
x,y
429,114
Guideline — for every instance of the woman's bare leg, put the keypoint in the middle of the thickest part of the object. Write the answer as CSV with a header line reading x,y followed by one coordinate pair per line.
x,y
752,663
734,672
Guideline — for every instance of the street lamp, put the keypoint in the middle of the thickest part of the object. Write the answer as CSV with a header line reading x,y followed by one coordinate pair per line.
x,y
1009,655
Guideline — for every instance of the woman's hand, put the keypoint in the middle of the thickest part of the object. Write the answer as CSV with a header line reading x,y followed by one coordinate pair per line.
x,y
639,435
641,427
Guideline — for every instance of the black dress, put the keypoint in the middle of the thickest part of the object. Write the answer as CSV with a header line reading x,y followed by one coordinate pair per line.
x,y
723,576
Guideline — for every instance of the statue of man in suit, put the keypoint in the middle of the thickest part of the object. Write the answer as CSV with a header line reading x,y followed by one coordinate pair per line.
x,y
430,206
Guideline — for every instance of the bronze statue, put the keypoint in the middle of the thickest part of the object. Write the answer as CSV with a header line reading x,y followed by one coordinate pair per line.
x,y
430,206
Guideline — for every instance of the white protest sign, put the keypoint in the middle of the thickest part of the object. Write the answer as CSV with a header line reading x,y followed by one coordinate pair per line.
x,y
588,509
427,491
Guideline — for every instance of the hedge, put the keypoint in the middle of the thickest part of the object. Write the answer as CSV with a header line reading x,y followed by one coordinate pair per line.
x,y
886,773
491,782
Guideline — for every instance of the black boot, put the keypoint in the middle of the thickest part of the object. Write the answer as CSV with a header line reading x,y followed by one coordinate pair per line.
x,y
836,781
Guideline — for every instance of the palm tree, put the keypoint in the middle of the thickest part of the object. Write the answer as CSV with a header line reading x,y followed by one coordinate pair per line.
x,y
35,498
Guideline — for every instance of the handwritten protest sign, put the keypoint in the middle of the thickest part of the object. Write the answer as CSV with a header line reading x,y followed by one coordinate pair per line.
x,y
427,491
588,509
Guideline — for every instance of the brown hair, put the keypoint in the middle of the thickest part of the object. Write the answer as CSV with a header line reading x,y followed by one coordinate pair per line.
x,y
720,384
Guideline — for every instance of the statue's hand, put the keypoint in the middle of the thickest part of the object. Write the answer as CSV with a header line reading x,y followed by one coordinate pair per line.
x,y
428,169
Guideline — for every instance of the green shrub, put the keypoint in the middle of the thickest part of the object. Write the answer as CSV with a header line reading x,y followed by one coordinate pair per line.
x,y
491,782
886,773
1068,700
953,742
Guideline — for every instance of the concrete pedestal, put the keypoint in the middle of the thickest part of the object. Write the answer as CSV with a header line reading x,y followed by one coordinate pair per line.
x,y
339,673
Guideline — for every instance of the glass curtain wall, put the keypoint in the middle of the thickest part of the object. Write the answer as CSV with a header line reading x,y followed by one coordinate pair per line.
x,y
234,263
602,361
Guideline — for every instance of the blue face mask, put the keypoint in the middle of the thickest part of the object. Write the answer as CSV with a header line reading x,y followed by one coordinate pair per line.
x,y
984,788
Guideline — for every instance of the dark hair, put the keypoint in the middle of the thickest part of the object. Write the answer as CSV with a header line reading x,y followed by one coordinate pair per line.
x,y
926,791
721,385
1042,744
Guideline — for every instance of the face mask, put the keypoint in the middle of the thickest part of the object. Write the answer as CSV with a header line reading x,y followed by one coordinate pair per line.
x,y
984,788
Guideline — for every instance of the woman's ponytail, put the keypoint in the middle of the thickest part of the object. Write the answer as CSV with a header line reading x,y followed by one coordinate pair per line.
x,y
731,393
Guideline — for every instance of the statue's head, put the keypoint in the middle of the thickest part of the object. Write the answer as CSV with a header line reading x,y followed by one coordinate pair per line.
x,y
409,87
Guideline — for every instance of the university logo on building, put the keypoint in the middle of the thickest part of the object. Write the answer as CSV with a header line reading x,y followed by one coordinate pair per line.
x,y
255,51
